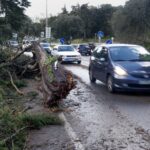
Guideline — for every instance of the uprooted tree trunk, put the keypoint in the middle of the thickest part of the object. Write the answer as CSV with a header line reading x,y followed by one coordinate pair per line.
x,y
56,81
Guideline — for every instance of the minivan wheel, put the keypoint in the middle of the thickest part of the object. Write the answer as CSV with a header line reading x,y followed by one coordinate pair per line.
x,y
110,84
92,78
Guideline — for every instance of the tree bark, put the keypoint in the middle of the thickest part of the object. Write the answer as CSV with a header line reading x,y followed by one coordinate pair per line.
x,y
57,85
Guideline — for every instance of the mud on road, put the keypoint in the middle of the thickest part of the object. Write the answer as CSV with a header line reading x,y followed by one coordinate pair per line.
x,y
100,126
96,117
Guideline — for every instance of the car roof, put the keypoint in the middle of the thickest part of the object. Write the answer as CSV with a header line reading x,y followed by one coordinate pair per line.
x,y
116,45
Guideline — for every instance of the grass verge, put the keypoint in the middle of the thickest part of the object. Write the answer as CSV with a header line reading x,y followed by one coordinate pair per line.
x,y
14,123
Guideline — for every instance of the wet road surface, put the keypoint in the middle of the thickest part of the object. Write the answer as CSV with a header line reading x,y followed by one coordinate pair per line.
x,y
85,60
107,121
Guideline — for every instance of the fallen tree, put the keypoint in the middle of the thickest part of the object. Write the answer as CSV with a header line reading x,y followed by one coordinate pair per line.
x,y
56,81
14,121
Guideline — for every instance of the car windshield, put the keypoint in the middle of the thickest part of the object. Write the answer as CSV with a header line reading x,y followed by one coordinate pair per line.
x,y
45,45
129,53
86,46
65,48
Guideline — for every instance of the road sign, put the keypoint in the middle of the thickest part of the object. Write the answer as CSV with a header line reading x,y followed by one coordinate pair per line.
x,y
48,32
62,40
109,41
100,34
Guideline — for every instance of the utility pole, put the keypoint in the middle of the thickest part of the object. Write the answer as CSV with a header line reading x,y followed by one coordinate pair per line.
x,y
47,28
46,21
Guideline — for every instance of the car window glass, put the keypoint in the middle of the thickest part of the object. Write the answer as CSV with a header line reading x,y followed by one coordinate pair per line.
x,y
104,54
97,52
129,53
65,48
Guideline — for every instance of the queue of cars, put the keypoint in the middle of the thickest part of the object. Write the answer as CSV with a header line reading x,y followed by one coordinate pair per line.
x,y
84,49
68,53
118,66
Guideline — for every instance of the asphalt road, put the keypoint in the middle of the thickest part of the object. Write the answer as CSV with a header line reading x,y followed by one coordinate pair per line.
x,y
107,121
85,60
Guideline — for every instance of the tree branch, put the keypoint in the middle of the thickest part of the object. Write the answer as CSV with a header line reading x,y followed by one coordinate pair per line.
x,y
13,135
14,58
12,82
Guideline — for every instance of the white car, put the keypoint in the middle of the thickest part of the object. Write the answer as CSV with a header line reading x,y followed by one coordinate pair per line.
x,y
67,52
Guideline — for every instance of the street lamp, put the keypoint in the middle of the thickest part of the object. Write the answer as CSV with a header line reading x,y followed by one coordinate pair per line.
x,y
46,25
47,28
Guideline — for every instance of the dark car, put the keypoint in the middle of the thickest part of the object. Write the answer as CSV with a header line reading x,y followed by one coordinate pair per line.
x,y
84,49
121,66
46,47
92,46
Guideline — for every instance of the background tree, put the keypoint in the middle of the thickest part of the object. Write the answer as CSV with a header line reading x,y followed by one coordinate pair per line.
x,y
132,22
13,16
67,26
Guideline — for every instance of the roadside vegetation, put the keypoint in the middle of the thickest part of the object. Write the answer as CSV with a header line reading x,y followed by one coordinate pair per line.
x,y
15,122
129,23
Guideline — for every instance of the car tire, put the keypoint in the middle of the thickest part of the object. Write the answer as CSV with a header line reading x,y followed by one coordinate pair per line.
x,y
110,84
92,78
79,62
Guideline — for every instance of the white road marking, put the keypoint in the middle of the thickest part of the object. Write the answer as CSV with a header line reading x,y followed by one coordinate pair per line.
x,y
78,145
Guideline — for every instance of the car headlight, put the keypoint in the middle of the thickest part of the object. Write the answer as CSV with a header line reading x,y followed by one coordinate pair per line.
x,y
120,71
63,56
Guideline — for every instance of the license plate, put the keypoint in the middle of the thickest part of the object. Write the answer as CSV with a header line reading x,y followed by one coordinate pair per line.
x,y
144,82
69,59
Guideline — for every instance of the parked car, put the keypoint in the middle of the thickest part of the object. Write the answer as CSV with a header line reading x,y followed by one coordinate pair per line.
x,y
67,53
46,47
121,66
84,49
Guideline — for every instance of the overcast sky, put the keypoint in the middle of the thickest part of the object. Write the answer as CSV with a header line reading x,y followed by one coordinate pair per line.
x,y
37,8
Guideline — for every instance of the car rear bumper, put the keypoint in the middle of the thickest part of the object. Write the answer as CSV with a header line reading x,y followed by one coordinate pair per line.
x,y
85,52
